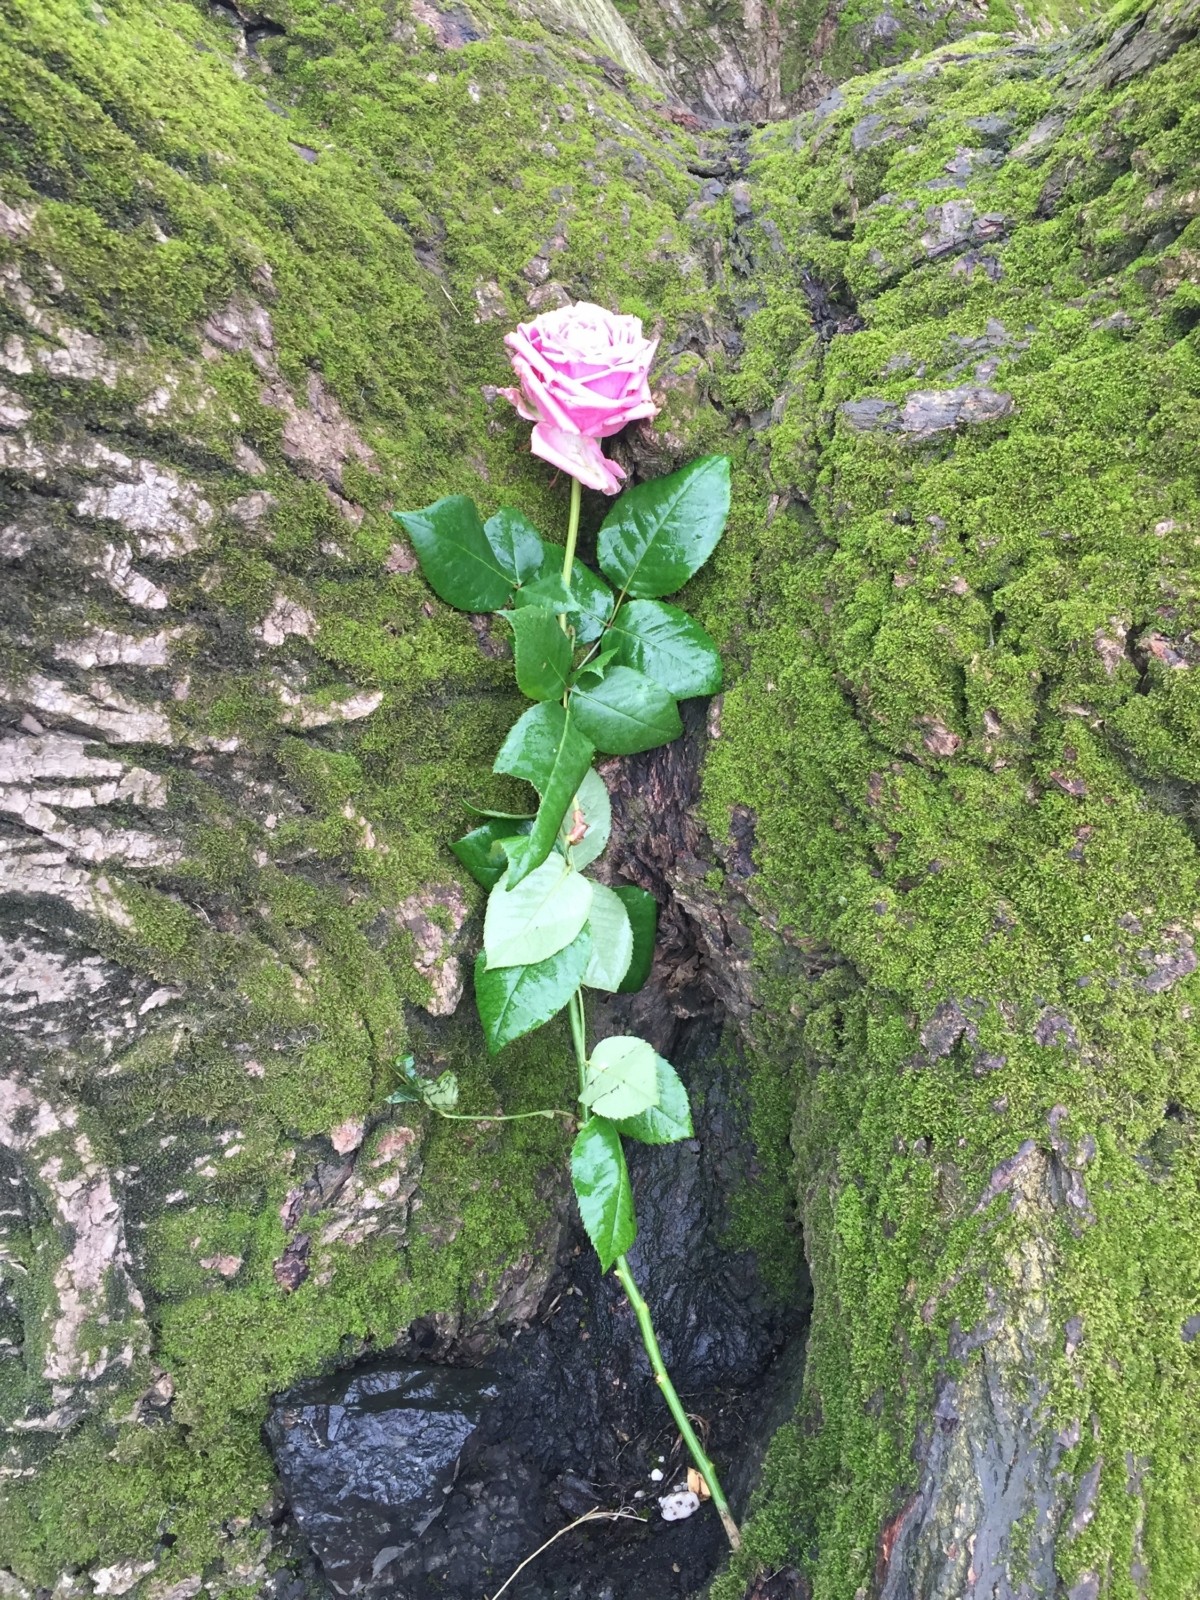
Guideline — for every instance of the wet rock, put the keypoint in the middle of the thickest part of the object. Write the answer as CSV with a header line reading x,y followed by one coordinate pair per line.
x,y
1169,966
870,415
1085,1499
364,1458
937,738
291,1269
318,437
1041,134
1053,1028
926,412
993,130
490,302
943,1030
786,1584
552,296
453,27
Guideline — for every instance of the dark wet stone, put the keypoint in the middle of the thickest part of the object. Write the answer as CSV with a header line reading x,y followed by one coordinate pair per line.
x,y
291,1268
873,130
786,1584
985,1063
1053,1028
1190,1329
976,261
928,411
833,102
1170,967
869,416
1005,1174
1041,134
363,1458
943,1030
993,131
453,27
1085,1499
947,228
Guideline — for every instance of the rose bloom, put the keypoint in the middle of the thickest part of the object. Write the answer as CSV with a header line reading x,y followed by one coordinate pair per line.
x,y
583,376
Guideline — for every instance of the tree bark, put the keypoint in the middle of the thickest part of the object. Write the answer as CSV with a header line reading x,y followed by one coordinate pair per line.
x,y
933,853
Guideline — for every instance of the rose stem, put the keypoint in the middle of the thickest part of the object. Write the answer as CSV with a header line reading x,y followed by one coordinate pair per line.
x,y
707,1471
572,530
646,1327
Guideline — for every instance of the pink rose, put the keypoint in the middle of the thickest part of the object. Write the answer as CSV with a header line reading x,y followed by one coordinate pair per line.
x,y
582,372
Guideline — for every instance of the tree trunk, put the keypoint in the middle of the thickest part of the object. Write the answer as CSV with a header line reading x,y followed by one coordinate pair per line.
x,y
939,868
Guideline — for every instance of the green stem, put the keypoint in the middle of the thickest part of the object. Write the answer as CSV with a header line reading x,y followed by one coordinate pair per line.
x,y
572,530
569,555
682,1421
512,1116
578,1033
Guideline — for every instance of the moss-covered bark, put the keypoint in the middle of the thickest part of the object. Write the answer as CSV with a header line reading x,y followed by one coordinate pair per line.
x,y
255,280
963,728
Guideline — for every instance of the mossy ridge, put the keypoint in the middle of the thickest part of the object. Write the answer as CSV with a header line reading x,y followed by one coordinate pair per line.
x,y
159,198
802,48
1016,596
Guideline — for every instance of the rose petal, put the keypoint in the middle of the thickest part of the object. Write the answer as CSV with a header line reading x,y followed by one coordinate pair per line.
x,y
578,455
516,398
583,369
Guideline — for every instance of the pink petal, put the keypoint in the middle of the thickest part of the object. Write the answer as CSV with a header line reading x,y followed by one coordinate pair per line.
x,y
577,455
516,398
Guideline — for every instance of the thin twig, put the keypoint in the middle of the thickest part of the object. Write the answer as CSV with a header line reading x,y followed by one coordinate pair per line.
x,y
588,1516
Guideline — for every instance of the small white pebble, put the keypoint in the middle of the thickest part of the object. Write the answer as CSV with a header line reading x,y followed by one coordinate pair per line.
x,y
656,1476
676,1507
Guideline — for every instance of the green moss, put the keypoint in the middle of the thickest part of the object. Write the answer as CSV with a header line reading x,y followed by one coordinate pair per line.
x,y
963,721
160,197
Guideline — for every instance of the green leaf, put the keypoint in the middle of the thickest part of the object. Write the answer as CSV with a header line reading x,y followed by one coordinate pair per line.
x,y
665,644
595,601
411,1090
547,749
667,1122
513,1001
594,669
442,1093
515,544
658,534
625,712
593,808
621,1078
548,592
404,1096
612,941
601,1181
592,600
510,816
456,558
481,851
542,652
642,908
537,917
